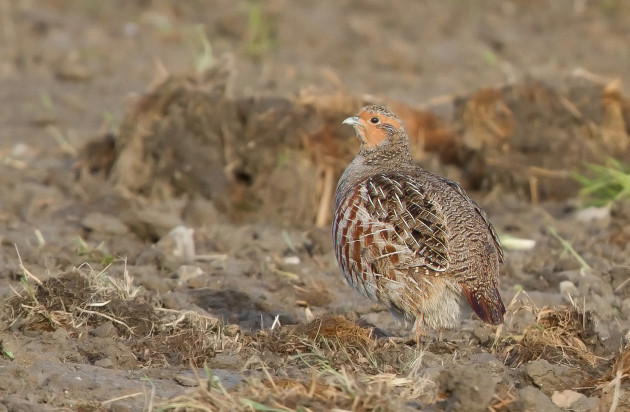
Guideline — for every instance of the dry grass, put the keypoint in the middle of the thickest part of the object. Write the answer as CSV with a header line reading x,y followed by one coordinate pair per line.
x,y
79,298
618,374
561,335
83,299
621,367
326,364
185,338
327,330
331,340
327,390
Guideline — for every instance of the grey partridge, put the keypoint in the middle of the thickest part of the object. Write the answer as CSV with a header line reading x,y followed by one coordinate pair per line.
x,y
409,239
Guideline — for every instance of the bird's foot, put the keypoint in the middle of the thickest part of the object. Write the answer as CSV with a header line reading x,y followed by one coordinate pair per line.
x,y
409,340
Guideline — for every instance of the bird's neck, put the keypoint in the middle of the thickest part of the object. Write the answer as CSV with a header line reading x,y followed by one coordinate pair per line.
x,y
368,163
386,158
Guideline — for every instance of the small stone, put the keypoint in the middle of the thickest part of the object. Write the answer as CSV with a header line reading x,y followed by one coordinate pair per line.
x,y
465,390
291,260
487,362
178,246
510,242
550,378
186,272
104,363
151,222
593,213
189,381
23,151
225,360
104,330
73,72
532,399
574,401
99,222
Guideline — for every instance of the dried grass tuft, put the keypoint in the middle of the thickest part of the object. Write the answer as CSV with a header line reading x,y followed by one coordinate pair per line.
x,y
75,299
610,384
83,298
622,365
334,327
328,389
183,338
560,335
329,331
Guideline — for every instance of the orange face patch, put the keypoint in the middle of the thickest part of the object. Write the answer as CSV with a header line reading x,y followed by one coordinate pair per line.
x,y
370,129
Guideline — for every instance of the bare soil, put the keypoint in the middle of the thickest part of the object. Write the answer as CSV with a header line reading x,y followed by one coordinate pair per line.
x,y
166,173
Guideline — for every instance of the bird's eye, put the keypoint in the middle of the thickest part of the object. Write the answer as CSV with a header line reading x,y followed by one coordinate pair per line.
x,y
374,120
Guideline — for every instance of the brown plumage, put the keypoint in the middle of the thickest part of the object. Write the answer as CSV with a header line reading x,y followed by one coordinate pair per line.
x,y
409,239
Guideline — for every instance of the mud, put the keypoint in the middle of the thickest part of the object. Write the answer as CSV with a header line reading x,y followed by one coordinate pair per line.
x,y
166,176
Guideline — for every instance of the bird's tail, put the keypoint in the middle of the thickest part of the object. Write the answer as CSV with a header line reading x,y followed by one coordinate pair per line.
x,y
486,302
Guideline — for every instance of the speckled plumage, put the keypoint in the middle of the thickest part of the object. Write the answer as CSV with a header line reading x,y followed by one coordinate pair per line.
x,y
409,239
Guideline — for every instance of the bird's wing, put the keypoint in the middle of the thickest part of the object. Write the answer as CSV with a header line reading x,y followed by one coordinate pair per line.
x,y
413,225
482,214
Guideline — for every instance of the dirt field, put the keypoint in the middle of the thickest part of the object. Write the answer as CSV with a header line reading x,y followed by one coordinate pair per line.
x,y
166,173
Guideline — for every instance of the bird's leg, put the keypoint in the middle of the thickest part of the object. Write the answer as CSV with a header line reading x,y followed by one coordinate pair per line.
x,y
417,331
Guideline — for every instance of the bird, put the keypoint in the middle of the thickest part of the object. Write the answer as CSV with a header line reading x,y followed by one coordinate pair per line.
x,y
409,239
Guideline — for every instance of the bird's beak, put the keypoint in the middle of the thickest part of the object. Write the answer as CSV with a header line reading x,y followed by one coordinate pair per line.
x,y
351,121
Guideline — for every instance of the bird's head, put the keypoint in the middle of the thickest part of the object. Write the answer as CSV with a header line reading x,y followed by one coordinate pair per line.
x,y
375,126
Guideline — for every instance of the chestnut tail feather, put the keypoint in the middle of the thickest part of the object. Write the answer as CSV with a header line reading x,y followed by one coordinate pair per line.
x,y
486,303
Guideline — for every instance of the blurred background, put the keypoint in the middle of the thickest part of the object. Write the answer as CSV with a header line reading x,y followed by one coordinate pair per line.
x,y
76,63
